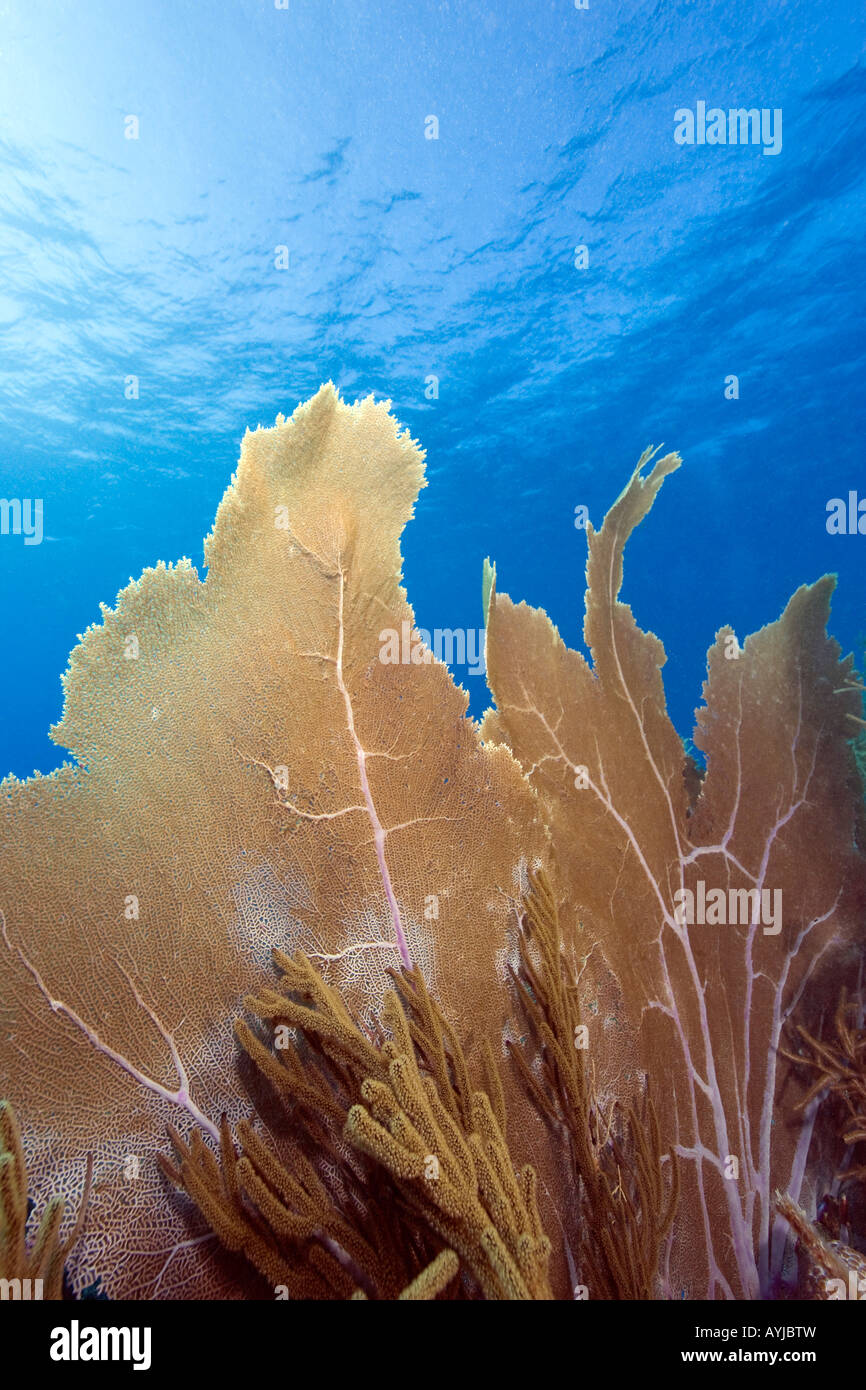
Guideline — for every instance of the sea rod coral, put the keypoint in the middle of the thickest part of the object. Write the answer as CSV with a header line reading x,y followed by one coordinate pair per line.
x,y
30,1268
382,1168
392,1161
249,775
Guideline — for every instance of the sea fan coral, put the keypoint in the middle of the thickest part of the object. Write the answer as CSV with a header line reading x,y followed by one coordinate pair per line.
x,y
722,903
249,775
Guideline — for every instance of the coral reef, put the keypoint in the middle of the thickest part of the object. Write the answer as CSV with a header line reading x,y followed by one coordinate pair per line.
x,y
829,1269
248,775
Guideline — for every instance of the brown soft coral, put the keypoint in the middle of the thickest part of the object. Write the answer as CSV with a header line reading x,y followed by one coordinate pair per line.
x,y
628,1187
427,1163
31,1268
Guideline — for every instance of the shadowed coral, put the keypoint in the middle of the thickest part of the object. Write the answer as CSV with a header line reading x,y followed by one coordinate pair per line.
x,y
837,1069
627,1203
829,1269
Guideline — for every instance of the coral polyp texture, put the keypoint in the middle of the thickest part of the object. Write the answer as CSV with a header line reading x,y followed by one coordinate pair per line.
x,y
552,991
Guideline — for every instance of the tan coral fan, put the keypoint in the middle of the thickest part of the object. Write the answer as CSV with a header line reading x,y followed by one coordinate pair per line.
x,y
250,774
633,826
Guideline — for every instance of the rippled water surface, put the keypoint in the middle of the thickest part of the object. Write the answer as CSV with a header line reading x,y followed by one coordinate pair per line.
x,y
409,257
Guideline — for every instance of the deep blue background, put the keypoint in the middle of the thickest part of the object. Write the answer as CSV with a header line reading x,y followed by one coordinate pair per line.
x,y
305,127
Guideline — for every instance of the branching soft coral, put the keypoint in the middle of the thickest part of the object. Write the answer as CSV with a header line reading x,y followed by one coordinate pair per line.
x,y
391,1153
627,1204
386,1151
42,1257
837,1066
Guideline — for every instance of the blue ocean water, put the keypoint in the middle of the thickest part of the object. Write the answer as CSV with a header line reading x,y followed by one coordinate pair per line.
x,y
306,125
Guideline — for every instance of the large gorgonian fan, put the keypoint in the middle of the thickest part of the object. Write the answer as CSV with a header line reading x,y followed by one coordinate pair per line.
x,y
722,902
250,774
